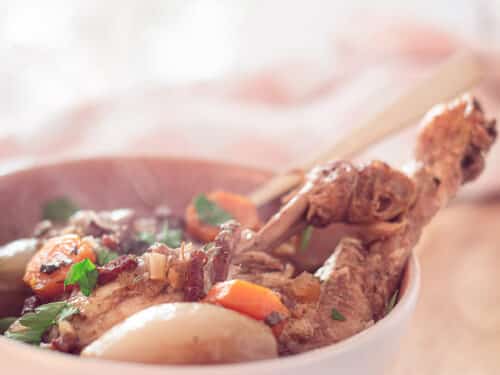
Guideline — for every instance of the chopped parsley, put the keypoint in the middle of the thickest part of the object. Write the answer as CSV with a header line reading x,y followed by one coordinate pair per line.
x,y
84,274
210,212
33,325
337,315
104,255
147,237
5,323
170,237
58,209
306,238
392,302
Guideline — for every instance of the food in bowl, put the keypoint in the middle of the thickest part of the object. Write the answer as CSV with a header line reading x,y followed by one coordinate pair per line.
x,y
219,287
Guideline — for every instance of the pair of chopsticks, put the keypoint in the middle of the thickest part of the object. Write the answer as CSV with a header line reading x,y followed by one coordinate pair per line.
x,y
456,75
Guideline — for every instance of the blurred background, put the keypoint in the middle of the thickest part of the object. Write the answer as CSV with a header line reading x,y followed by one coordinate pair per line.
x,y
262,83
172,72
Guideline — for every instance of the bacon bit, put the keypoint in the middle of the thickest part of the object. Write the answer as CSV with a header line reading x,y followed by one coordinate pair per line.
x,y
97,228
53,266
67,341
110,241
274,318
110,271
194,285
64,344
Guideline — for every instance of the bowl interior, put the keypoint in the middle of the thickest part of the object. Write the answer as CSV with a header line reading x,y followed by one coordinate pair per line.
x,y
140,183
143,184
109,183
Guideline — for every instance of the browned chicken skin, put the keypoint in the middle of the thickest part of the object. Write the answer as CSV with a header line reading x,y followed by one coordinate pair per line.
x,y
339,192
360,278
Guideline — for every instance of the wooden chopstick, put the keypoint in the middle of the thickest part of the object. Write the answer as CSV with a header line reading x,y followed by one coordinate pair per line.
x,y
459,73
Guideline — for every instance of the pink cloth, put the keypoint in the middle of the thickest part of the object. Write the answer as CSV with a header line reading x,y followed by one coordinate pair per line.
x,y
267,118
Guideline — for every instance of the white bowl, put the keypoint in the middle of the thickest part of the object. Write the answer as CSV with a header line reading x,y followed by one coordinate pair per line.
x,y
369,352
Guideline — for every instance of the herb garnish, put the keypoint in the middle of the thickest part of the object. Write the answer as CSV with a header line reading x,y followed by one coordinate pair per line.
x,y
306,237
170,237
337,315
392,302
83,273
5,323
104,255
58,209
210,212
34,324
147,237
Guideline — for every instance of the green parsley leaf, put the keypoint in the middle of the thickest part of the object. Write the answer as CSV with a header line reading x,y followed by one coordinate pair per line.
x,y
43,316
67,313
28,336
210,212
33,325
5,323
392,302
84,274
306,238
58,210
147,237
170,237
337,315
104,255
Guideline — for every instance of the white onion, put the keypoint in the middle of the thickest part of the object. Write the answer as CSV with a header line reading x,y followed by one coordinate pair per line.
x,y
185,333
14,257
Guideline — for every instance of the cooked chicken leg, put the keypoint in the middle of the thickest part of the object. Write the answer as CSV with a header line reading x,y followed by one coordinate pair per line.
x,y
360,278
339,192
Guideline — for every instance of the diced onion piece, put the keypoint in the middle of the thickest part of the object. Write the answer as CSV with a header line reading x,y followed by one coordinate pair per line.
x,y
157,266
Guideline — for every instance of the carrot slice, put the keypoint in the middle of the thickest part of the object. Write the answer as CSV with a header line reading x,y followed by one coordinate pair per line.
x,y
249,299
47,269
238,206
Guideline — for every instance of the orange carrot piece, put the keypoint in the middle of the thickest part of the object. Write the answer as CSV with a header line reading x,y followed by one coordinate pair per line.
x,y
247,298
66,250
239,206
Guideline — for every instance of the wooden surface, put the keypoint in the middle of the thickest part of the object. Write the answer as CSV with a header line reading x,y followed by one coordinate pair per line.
x,y
456,329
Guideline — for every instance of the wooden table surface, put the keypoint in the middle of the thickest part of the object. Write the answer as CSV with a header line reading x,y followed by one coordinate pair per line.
x,y
456,328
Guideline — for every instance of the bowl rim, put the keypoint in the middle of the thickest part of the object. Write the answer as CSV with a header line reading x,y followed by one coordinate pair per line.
x,y
406,304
